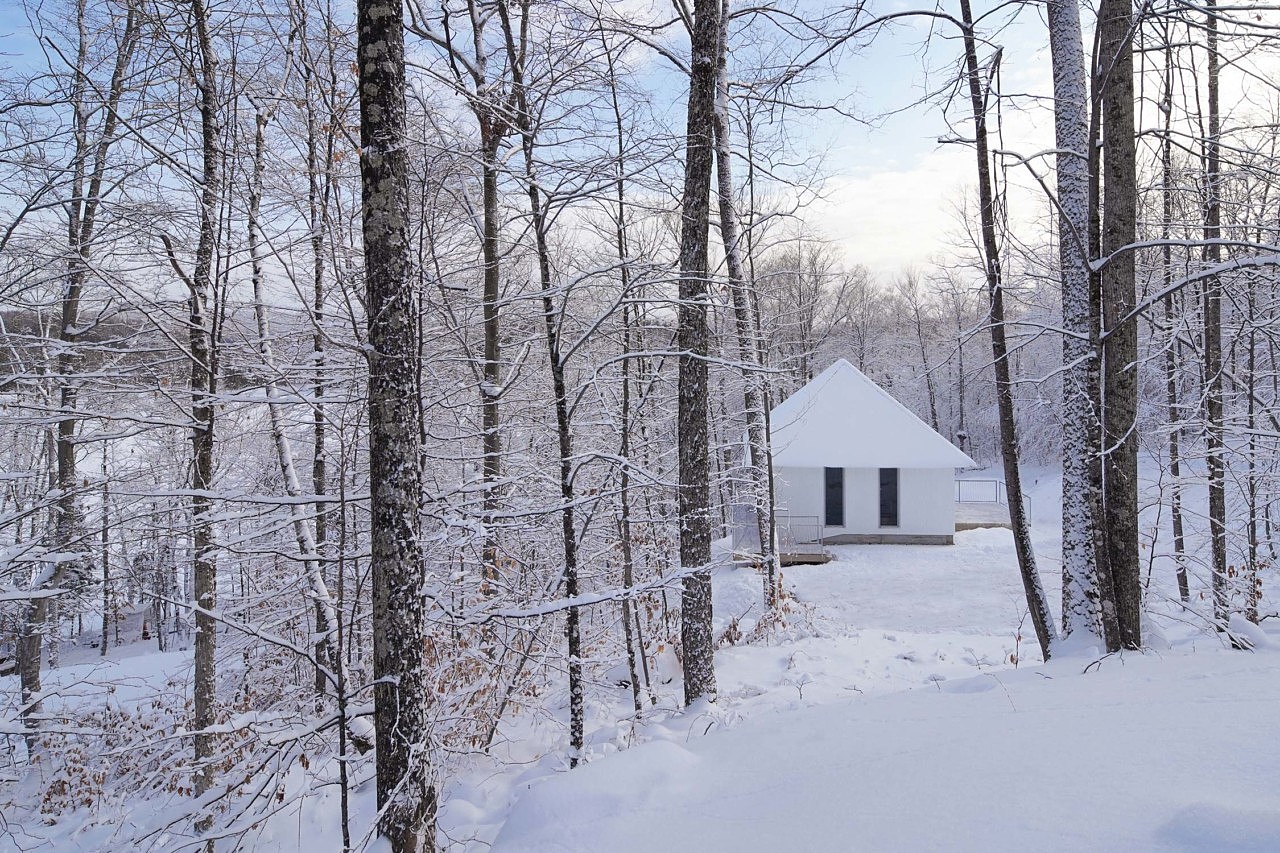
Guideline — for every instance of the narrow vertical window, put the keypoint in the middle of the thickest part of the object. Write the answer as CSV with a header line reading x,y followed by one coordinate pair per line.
x,y
834,479
888,497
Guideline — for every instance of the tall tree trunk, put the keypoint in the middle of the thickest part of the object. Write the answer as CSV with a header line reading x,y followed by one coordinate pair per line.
x,y
517,44
1114,85
1037,603
202,386
1251,581
1102,556
1173,414
304,533
744,326
692,341
68,526
629,345
1080,594
1215,440
762,344
319,186
491,386
88,173
402,692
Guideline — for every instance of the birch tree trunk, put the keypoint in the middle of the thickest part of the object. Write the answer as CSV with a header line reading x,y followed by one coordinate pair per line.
x,y
402,693
693,341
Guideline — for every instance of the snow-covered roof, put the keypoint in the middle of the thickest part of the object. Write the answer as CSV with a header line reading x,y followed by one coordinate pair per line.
x,y
841,419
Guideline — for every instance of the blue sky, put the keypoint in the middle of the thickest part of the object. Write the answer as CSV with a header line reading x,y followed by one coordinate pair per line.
x,y
894,188
891,188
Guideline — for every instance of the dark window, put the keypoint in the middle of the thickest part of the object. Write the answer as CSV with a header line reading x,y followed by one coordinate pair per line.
x,y
834,481
888,497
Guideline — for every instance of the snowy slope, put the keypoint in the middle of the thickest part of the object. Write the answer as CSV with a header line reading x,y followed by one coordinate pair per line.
x,y
1141,753
816,747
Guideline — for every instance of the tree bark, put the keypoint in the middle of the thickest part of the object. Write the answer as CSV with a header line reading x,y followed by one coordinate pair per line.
x,y
202,387
109,613
1215,440
1037,604
1080,594
692,340
1173,413
1114,85
402,693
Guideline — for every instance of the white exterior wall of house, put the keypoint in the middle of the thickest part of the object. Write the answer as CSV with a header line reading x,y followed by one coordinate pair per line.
x,y
926,504
841,419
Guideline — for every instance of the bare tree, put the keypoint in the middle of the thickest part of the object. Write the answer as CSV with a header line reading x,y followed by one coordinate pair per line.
x,y
1211,292
693,344
203,385
402,694
745,326
1041,616
1080,591
1113,92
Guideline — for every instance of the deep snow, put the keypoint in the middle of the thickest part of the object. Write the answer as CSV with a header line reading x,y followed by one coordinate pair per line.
x,y
1144,753
963,748
903,706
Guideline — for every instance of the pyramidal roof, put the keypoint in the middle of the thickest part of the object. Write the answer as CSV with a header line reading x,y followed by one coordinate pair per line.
x,y
841,419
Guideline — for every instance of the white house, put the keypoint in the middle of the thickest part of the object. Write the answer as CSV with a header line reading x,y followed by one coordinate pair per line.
x,y
853,465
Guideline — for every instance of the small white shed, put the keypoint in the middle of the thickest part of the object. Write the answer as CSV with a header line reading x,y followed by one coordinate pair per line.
x,y
853,465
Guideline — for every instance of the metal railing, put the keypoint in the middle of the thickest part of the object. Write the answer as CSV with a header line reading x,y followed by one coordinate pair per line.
x,y
981,491
797,534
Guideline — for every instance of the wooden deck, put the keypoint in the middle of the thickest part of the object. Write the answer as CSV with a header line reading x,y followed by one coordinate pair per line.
x,y
814,559
972,515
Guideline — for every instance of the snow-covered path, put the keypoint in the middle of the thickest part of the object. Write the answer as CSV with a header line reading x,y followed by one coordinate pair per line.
x,y
877,619
971,587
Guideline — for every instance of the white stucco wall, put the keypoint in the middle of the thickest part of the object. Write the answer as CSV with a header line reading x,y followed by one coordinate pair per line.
x,y
926,500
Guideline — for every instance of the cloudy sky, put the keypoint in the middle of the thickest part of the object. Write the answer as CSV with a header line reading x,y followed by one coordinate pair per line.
x,y
893,189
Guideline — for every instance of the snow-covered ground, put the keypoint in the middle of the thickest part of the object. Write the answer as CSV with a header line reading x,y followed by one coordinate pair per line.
x,y
1176,752
973,743
880,618
903,705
